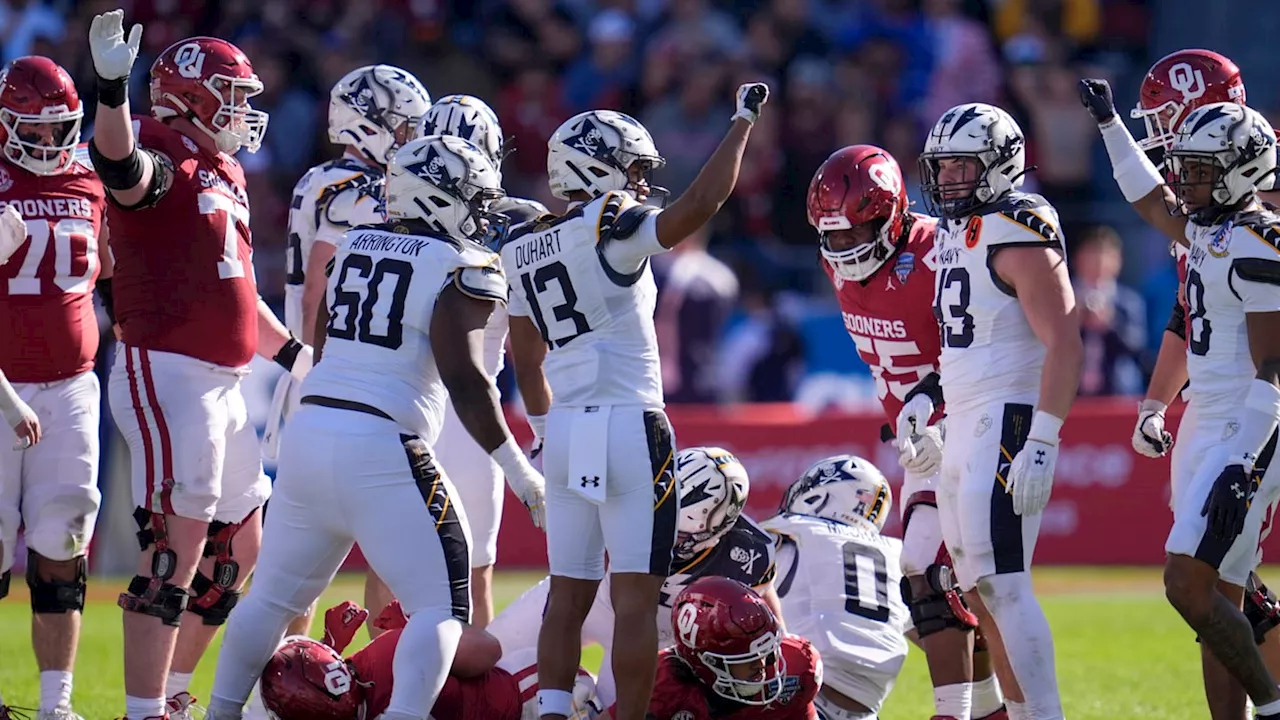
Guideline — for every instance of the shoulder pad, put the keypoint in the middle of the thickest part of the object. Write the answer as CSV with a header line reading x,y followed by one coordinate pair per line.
x,y
351,189
1027,225
1262,223
621,217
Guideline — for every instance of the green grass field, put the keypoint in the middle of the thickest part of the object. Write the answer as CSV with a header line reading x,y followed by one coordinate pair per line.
x,y
1122,651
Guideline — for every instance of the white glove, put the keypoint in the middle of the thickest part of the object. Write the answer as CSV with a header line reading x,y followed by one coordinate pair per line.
x,y
1031,473
927,447
751,98
113,56
1149,436
13,232
523,479
19,416
912,422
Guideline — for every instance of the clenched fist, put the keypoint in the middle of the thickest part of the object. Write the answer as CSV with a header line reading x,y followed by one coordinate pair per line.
x,y
751,99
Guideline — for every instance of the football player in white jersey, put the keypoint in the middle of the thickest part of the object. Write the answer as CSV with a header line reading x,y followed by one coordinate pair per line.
x,y
1010,367
831,518
1222,155
582,299
410,301
477,477
714,538
373,110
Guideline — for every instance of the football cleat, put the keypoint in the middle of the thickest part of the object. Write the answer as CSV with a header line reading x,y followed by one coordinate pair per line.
x,y
61,713
1001,714
183,707
13,713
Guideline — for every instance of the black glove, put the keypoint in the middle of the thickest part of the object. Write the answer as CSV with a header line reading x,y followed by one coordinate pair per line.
x,y
1096,97
1228,503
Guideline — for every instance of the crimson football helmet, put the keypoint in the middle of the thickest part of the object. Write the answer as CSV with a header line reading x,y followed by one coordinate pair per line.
x,y
308,680
1179,83
730,639
36,91
856,185
209,82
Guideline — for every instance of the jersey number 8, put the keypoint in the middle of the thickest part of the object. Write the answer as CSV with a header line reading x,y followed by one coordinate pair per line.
x,y
365,311
1198,330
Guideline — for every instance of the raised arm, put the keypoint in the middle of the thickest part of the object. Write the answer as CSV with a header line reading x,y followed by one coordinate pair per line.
x,y
1136,175
716,180
129,175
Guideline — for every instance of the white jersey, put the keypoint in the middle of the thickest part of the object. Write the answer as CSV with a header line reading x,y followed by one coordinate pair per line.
x,y
584,279
328,200
840,587
382,290
988,347
1232,269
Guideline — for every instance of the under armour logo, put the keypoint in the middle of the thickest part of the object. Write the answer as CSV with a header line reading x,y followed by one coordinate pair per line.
x,y
1235,488
1039,457
593,481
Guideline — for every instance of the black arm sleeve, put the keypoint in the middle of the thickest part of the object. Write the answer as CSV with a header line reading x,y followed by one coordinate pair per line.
x,y
125,173
108,299
1178,321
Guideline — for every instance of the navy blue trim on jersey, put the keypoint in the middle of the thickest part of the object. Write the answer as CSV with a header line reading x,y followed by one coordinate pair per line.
x,y
546,222
444,511
666,498
1006,525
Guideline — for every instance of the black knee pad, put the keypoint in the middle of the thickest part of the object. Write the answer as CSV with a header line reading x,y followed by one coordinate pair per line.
x,y
1260,607
4,584
942,607
56,596
213,600
155,597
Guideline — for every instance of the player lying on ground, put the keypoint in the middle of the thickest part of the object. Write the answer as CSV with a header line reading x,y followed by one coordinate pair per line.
x,y
1222,154
732,660
713,538
309,680
879,258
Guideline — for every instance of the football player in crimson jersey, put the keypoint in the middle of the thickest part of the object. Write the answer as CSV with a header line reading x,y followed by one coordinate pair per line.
x,y
1175,86
191,320
50,258
309,680
879,257
732,660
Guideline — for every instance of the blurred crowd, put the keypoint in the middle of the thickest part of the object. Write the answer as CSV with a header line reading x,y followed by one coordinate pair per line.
x,y
745,312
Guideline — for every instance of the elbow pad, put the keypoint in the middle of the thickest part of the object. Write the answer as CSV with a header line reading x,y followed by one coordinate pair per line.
x,y
931,387
1178,321
108,298
117,174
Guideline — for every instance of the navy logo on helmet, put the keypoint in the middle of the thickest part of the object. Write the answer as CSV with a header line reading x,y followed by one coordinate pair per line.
x,y
589,140
433,169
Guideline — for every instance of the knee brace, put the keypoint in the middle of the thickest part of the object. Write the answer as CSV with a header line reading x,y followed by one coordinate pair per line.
x,y
155,595
942,607
56,596
1260,607
4,584
213,598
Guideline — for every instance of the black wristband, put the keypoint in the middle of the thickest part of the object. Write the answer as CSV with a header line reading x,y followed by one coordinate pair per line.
x,y
289,353
108,299
113,93
931,387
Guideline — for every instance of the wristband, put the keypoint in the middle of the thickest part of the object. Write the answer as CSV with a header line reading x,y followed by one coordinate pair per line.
x,y
113,93
508,456
1152,405
1045,427
538,423
295,357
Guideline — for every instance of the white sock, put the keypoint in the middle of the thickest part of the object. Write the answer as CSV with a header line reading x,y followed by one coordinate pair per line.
x,y
954,700
1271,708
143,708
421,663
1013,605
986,697
177,683
55,689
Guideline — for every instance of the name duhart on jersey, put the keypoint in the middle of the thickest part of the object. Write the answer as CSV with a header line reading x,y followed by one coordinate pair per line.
x,y
988,347
383,287
330,199
596,319
1232,269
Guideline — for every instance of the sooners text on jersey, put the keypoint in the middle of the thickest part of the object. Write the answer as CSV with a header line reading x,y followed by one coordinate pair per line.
x,y
679,695
47,322
890,316
184,267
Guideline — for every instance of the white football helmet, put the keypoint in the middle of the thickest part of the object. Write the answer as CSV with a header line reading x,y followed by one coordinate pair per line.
x,y
376,108
445,182
844,489
980,131
594,150
469,118
1236,139
713,489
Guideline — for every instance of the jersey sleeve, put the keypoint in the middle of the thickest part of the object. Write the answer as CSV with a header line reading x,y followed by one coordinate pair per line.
x,y
1025,221
486,282
338,208
627,234
761,542
805,664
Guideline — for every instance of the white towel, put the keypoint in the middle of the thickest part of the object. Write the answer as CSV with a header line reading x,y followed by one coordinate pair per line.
x,y
589,453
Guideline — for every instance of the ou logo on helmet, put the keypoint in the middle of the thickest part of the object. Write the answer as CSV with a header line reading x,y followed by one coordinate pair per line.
x,y
337,678
190,60
687,624
1186,80
883,176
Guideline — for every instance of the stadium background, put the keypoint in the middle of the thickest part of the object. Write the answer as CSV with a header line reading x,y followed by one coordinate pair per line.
x,y
745,316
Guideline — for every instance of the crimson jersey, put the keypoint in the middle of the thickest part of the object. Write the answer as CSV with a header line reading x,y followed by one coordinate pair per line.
x,y
890,316
184,267
679,695
492,696
48,329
